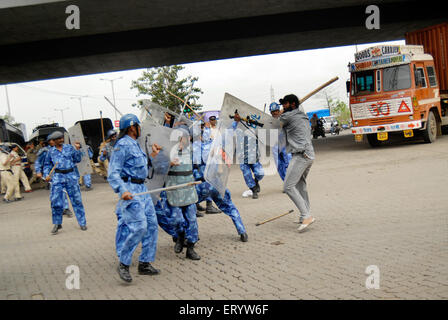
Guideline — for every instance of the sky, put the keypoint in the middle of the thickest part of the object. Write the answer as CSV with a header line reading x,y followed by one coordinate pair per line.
x,y
249,79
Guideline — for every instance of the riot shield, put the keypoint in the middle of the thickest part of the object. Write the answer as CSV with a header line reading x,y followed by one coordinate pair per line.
x,y
156,113
220,158
252,119
155,133
76,135
247,141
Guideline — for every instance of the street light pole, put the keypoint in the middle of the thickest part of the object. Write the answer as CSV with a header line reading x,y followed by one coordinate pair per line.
x,y
113,92
62,114
7,101
80,105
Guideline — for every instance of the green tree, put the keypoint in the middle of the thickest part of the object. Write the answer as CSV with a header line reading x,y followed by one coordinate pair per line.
x,y
339,109
155,82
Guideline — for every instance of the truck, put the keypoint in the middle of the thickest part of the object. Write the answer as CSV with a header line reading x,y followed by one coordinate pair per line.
x,y
401,89
94,131
42,131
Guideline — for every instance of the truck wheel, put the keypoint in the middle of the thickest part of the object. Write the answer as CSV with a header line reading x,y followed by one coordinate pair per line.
x,y
430,133
373,140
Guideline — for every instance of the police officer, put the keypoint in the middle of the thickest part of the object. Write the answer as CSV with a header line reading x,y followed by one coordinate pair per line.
x,y
251,167
106,151
63,158
87,179
209,132
184,199
19,174
31,156
39,167
128,169
6,173
281,157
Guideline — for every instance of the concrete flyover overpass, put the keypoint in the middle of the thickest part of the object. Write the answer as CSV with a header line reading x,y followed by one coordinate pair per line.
x,y
35,43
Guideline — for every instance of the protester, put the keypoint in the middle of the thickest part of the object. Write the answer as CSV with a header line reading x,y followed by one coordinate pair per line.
x,y
298,142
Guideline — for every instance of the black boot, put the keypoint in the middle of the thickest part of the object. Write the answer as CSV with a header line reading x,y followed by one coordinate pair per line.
x,y
191,254
145,268
179,246
244,237
123,271
67,213
56,228
254,192
199,207
211,209
257,186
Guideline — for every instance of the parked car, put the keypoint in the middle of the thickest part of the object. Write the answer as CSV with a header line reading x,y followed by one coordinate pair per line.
x,y
327,122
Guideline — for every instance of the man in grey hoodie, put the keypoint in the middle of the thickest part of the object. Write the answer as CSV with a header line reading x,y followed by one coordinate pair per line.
x,y
298,142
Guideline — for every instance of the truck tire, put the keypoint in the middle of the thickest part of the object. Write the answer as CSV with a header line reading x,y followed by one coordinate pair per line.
x,y
373,140
430,132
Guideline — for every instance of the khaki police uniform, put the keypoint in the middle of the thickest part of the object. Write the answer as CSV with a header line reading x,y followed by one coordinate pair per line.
x,y
19,174
7,176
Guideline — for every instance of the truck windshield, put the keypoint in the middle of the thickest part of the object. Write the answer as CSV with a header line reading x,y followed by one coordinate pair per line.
x,y
364,82
397,78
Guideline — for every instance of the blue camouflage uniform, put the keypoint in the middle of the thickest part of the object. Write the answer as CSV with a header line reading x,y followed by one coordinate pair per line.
x,y
137,220
66,177
170,219
281,159
39,163
40,159
225,204
109,148
88,178
183,199
250,166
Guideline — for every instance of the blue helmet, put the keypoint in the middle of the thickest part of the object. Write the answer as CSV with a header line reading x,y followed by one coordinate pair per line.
x,y
110,133
274,106
128,120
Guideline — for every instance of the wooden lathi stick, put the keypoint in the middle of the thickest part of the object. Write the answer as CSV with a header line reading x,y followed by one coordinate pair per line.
x,y
168,188
274,218
318,89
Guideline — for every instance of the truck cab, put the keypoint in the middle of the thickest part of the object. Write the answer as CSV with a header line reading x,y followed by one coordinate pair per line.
x,y
394,89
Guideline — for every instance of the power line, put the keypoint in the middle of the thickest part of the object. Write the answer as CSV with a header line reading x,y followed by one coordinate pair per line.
x,y
99,97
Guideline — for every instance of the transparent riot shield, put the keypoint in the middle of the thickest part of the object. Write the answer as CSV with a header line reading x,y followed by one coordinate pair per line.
x,y
220,157
156,113
76,135
246,141
252,119
152,133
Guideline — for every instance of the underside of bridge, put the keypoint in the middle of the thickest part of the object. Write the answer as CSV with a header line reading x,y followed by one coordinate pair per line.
x,y
114,35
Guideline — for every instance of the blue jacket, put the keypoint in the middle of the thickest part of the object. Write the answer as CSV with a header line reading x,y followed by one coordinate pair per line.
x,y
127,160
40,160
66,159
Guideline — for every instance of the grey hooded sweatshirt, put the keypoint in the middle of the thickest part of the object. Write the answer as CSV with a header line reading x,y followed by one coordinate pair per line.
x,y
297,130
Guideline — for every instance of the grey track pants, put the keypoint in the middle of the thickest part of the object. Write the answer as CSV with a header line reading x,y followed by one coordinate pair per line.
x,y
295,183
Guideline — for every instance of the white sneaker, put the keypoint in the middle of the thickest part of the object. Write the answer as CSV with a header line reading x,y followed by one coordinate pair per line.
x,y
303,226
247,194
